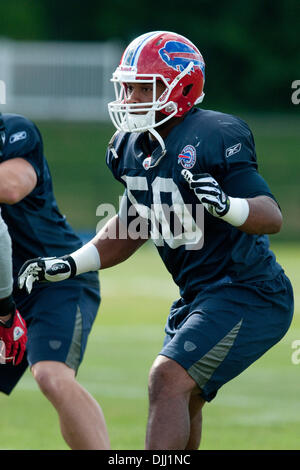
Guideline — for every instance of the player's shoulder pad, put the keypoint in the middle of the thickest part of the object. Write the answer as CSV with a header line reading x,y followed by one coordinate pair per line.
x,y
216,122
233,126
237,138
112,143
228,132
21,135
114,148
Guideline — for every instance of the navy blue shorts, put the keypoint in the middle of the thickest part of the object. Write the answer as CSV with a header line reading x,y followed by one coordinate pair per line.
x,y
227,327
59,318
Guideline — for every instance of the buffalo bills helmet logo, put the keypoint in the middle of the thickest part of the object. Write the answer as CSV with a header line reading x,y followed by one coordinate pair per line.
x,y
187,158
178,55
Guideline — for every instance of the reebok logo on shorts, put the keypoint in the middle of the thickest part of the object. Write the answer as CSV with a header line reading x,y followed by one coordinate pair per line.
x,y
189,346
54,344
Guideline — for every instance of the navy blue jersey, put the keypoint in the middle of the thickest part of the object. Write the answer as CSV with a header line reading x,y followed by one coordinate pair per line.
x,y
36,226
204,142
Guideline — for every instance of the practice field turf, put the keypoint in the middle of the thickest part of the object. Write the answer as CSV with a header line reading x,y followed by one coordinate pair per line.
x,y
257,410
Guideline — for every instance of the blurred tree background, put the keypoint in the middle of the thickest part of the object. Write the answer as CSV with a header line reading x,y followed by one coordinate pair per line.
x,y
252,54
251,47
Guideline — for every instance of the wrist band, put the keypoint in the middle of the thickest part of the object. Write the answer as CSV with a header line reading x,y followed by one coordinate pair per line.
x,y
86,259
238,211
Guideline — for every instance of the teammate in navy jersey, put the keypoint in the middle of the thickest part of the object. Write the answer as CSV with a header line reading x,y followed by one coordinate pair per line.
x,y
59,317
191,183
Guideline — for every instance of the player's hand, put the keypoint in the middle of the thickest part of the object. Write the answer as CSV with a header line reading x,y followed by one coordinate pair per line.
x,y
45,269
13,339
209,192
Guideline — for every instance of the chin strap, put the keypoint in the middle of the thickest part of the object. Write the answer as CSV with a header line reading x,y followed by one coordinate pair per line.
x,y
161,143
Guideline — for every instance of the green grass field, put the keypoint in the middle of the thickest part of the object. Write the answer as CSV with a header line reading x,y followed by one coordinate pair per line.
x,y
260,409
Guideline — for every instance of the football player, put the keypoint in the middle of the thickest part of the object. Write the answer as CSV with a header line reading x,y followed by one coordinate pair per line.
x,y
12,326
59,317
198,168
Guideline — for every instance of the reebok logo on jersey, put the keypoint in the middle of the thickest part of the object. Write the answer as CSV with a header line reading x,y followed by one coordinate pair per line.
x,y
17,136
233,149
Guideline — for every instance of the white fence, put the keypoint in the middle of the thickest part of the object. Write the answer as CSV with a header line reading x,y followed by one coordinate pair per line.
x,y
58,80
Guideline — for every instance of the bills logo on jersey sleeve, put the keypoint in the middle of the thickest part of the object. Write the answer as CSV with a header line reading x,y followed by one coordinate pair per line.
x,y
178,56
187,158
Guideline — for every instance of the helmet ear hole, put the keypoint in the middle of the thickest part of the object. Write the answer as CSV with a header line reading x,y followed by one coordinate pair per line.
x,y
187,89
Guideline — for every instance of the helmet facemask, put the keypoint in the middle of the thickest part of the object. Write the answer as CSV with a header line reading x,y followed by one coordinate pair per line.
x,y
139,117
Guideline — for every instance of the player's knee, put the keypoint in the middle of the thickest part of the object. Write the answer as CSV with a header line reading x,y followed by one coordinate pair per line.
x,y
52,379
168,378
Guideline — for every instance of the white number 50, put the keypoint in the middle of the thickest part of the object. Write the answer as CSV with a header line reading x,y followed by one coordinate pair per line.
x,y
186,230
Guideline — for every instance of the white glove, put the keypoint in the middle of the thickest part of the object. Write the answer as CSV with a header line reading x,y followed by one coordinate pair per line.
x,y
46,269
209,192
233,210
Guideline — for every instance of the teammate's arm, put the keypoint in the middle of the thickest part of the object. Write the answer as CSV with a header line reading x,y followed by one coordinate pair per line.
x,y
13,330
111,246
18,178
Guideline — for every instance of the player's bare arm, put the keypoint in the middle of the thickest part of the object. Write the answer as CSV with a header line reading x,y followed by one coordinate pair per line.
x,y
107,249
264,216
258,215
113,249
18,178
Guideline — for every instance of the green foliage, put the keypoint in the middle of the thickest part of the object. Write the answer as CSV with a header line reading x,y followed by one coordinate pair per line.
x,y
82,181
22,20
251,48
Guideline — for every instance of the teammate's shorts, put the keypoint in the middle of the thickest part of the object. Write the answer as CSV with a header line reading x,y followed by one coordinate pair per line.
x,y
227,327
59,318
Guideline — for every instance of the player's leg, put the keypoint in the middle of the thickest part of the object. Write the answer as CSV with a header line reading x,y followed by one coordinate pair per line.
x,y
195,409
215,337
170,390
81,419
63,317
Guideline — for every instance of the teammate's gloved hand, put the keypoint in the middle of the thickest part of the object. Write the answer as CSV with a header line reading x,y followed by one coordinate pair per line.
x,y
209,192
45,269
13,335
